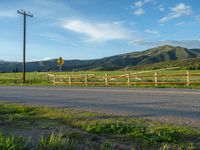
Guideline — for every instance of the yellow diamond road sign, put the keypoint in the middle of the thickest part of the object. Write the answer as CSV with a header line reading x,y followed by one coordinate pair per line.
x,y
60,61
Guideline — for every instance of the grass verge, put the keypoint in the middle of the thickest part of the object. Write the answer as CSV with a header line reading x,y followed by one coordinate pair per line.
x,y
66,128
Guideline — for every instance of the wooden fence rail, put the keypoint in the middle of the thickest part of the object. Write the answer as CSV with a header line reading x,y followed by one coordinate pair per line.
x,y
126,79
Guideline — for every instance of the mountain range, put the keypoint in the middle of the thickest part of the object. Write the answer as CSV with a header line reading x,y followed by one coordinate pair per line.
x,y
161,56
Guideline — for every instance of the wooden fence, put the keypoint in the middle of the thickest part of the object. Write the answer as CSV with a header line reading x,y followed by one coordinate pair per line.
x,y
126,79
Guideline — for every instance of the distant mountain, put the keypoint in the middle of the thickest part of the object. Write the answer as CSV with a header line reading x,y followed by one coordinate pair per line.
x,y
160,54
187,64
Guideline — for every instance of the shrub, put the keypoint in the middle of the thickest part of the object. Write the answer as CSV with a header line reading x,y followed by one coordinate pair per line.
x,y
12,143
107,145
55,142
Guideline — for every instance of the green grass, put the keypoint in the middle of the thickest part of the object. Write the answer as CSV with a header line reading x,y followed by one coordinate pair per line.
x,y
57,142
80,129
13,143
107,145
35,78
32,78
187,64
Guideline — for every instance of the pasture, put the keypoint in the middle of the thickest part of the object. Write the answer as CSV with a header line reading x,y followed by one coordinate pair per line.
x,y
152,78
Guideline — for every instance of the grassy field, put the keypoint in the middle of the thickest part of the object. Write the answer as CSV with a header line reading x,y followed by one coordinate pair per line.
x,y
44,128
36,78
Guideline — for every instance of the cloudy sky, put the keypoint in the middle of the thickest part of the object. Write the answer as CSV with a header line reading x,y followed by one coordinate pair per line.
x,y
87,29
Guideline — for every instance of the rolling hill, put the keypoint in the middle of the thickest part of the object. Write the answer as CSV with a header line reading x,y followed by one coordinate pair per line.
x,y
159,55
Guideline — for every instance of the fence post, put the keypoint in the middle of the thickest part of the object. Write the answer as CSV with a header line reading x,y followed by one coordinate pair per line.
x,y
156,78
70,80
128,79
35,76
86,79
54,79
106,79
188,78
48,78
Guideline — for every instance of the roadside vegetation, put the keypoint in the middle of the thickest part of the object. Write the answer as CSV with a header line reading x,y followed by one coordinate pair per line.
x,y
42,78
44,128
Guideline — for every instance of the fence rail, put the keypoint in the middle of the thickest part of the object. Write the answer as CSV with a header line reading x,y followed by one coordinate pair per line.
x,y
125,79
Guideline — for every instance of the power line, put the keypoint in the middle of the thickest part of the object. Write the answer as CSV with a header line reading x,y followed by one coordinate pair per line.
x,y
24,13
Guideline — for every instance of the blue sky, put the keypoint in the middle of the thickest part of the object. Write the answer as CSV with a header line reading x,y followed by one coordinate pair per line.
x,y
90,29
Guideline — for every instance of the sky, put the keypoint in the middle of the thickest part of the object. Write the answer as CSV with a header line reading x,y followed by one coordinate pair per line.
x,y
91,29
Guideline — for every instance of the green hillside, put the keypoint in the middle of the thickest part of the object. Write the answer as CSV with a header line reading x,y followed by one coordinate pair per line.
x,y
160,56
186,64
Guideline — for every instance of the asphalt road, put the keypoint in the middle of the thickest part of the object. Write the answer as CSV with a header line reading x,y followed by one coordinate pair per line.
x,y
180,106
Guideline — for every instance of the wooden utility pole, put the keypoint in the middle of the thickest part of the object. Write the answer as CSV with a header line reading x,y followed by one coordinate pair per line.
x,y
24,13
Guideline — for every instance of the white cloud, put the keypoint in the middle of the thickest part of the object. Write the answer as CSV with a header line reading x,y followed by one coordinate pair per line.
x,y
183,43
139,4
97,31
198,18
180,23
46,58
149,1
119,22
139,12
161,8
180,10
43,59
8,13
153,32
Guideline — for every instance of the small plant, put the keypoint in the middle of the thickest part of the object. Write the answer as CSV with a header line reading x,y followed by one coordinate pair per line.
x,y
138,133
182,146
55,142
107,145
113,128
12,143
151,134
75,135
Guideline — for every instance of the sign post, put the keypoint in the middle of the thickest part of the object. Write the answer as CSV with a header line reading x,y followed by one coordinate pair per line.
x,y
60,62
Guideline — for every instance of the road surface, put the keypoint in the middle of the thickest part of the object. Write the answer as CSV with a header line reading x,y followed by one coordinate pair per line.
x,y
180,106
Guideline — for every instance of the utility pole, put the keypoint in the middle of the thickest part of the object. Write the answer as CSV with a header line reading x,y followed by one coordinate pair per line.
x,y
24,13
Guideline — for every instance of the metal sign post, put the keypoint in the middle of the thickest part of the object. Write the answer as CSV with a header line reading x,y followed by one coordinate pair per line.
x,y
60,62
